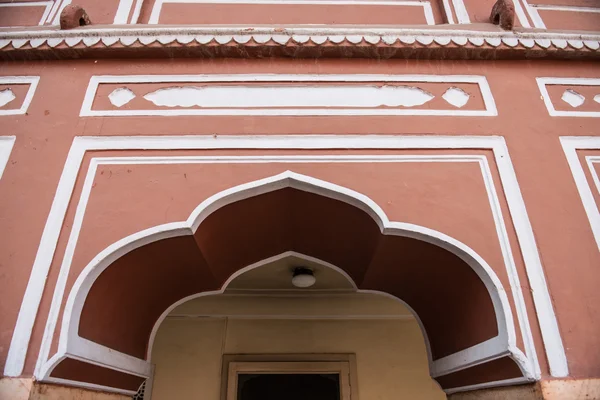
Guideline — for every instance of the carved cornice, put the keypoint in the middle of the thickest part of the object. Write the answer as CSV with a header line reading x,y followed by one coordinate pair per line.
x,y
297,42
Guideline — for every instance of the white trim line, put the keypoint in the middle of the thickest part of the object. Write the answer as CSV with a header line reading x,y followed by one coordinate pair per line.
x,y
168,34
123,11
506,382
538,22
15,359
567,8
481,353
462,15
47,4
55,6
481,81
6,146
557,359
448,12
570,146
271,36
63,4
85,350
135,17
590,160
93,386
467,356
429,18
104,259
80,145
16,80
543,82
520,12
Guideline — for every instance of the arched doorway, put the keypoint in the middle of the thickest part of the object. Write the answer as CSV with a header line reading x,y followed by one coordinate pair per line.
x,y
111,316
262,320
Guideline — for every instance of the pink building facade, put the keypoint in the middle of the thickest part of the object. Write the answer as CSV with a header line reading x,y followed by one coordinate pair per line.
x,y
158,155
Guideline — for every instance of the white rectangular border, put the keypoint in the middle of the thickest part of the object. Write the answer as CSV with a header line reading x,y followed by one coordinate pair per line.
x,y
570,145
461,12
95,81
463,359
429,18
538,22
591,160
542,82
33,83
6,146
121,14
33,294
48,4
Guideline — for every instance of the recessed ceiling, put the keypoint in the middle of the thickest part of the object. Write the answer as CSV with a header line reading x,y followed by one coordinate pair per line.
x,y
278,276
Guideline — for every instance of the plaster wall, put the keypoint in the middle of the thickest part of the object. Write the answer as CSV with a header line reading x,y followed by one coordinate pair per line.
x,y
565,241
390,354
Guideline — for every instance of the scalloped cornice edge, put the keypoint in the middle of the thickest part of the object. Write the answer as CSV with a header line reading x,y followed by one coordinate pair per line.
x,y
313,39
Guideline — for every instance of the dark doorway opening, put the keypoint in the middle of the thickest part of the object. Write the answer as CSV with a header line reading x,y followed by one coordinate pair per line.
x,y
288,387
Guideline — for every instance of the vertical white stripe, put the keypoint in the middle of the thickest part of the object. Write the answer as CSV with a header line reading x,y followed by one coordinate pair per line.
x,y
53,11
123,12
6,145
557,359
136,12
448,11
521,14
535,16
461,12
39,272
155,12
62,7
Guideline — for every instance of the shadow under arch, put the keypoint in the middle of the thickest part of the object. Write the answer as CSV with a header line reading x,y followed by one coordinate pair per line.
x,y
470,328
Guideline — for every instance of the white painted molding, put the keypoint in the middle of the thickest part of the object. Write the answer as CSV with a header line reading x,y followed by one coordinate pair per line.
x,y
488,351
47,4
70,341
538,22
6,145
135,17
505,382
53,11
63,4
543,82
19,80
97,354
427,10
66,184
481,353
555,352
103,260
590,161
461,12
123,11
520,12
570,145
292,35
92,386
267,99
448,12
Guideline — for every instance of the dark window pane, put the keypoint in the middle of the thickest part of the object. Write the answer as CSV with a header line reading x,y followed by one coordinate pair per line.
x,y
288,387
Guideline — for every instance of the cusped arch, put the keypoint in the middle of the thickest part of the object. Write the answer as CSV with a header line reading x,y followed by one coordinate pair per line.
x,y
299,213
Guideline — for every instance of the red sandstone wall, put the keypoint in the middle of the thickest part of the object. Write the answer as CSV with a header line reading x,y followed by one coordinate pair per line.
x,y
43,137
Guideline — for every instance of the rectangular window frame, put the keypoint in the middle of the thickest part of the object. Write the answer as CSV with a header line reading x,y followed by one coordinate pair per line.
x,y
342,364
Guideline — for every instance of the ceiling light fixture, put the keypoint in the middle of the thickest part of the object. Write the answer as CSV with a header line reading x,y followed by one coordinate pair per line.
x,y
303,277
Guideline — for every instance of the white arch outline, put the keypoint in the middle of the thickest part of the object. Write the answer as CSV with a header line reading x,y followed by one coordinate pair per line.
x,y
70,344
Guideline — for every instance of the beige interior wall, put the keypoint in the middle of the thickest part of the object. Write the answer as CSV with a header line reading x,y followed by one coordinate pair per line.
x,y
390,352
